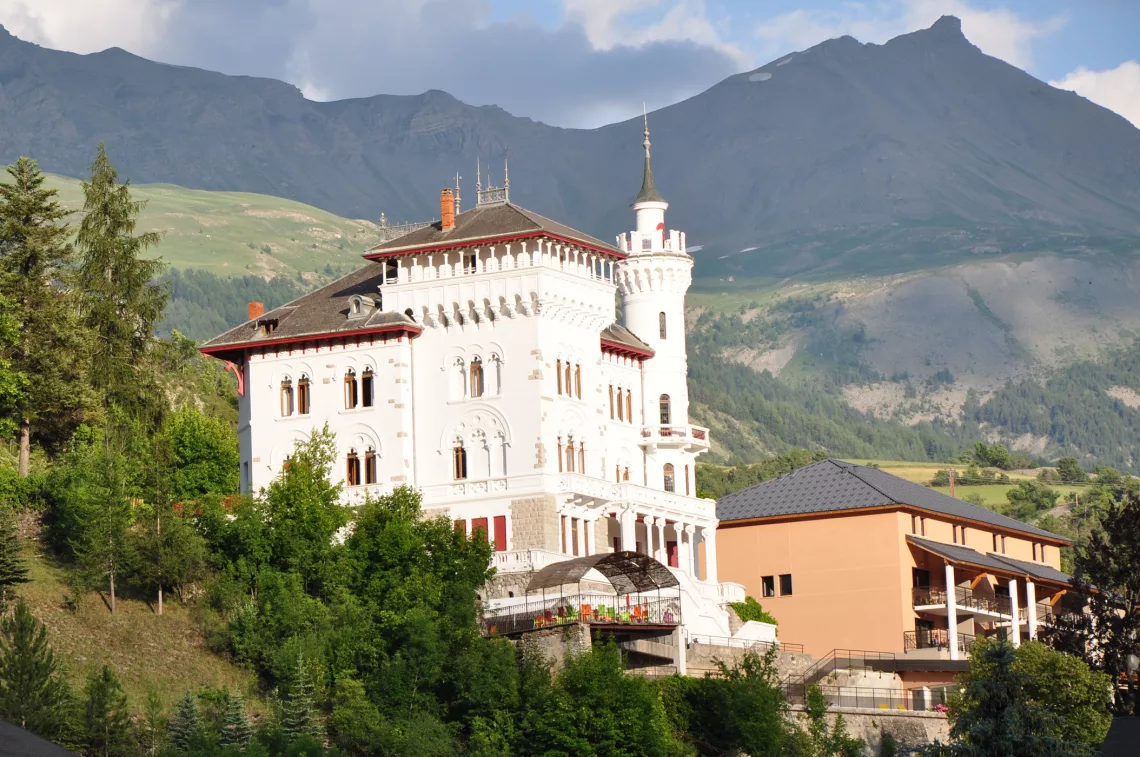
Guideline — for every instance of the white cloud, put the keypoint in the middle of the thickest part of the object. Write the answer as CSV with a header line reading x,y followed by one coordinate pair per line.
x,y
998,32
1117,89
87,26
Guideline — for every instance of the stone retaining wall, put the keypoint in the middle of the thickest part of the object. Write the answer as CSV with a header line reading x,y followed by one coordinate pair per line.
x,y
910,729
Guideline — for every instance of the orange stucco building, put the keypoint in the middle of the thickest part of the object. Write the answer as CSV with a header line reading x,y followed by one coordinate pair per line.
x,y
850,557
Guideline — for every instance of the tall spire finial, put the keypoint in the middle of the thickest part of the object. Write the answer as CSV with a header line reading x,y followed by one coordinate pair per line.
x,y
478,175
648,191
506,172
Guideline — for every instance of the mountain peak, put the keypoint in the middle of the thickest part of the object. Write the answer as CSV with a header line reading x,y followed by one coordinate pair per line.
x,y
948,26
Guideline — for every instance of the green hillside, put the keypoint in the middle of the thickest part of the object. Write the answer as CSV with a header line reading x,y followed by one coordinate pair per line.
x,y
238,233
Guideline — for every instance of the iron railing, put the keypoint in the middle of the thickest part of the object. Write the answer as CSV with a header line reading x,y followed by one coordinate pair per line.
x,y
851,696
756,644
935,638
965,598
843,659
592,608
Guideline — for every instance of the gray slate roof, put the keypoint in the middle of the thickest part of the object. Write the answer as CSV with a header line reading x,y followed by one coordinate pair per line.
x,y
484,222
990,560
834,485
619,334
324,311
1037,570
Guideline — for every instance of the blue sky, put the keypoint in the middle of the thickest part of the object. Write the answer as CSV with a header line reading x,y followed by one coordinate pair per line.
x,y
580,63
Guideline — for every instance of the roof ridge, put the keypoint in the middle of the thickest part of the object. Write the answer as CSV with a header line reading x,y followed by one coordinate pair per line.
x,y
868,483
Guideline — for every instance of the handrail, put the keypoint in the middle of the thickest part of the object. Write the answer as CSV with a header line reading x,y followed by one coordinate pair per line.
x,y
728,641
964,597
935,638
840,659
852,696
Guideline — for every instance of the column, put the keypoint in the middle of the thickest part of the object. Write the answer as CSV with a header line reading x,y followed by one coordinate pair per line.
x,y
680,651
1015,625
690,563
589,537
567,540
1031,607
660,555
952,611
628,520
709,535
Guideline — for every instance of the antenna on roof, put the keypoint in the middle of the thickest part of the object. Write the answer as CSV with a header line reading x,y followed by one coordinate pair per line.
x,y
478,176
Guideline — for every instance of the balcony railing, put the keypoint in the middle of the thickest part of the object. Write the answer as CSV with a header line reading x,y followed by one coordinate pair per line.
x,y
595,609
938,638
852,696
667,434
524,560
966,599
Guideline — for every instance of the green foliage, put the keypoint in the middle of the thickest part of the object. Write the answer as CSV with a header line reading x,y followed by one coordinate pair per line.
x,y
998,716
1028,499
40,336
715,481
1107,636
742,711
298,713
33,692
750,609
1068,688
205,455
13,569
185,724
992,456
821,741
1070,471
1107,475
888,745
594,708
121,303
165,551
236,730
106,718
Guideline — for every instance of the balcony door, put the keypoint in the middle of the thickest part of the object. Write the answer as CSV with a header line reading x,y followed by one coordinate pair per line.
x,y
921,578
924,634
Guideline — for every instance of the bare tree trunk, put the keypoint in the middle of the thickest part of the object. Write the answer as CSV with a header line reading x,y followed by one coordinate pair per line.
x,y
25,446
158,531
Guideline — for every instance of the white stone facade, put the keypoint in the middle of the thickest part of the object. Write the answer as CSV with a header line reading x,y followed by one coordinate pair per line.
x,y
507,410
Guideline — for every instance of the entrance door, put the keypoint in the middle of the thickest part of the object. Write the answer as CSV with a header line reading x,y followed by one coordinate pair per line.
x,y
671,553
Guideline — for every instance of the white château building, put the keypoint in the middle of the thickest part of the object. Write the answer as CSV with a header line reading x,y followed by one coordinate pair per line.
x,y
480,359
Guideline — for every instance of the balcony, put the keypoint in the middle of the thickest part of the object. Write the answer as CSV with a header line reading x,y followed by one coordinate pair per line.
x,y
937,639
524,560
691,438
933,600
592,491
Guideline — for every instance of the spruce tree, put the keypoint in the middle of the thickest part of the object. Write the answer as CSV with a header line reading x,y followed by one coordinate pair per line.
x,y
103,546
107,721
185,724
33,694
236,729
298,714
121,302
13,569
35,277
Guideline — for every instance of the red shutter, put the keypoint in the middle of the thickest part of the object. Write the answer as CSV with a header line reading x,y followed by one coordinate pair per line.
x,y
500,533
461,527
479,524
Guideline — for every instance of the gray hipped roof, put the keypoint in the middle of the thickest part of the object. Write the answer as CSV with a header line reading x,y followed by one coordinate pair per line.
x,y
487,222
835,486
990,560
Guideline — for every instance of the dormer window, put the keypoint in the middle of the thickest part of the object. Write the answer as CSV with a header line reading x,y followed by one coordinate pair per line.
x,y
360,306
266,326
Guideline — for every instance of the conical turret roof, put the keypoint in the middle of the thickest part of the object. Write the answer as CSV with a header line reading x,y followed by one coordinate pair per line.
x,y
648,191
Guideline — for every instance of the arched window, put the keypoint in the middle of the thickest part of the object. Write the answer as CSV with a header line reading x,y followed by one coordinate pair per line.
x,y
661,324
303,395
686,480
578,380
560,462
611,402
370,466
567,384
476,377
621,413
670,485
665,415
582,457
570,456
352,474
286,397
629,405
367,388
459,461
558,372
350,396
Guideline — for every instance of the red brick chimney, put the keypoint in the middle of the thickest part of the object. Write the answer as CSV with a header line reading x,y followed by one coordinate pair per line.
x,y
446,210
256,310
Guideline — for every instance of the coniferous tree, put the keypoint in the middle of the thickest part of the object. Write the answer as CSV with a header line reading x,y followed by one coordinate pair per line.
x,y
106,719
185,724
152,727
121,302
104,500
35,259
33,694
236,729
298,714
13,569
